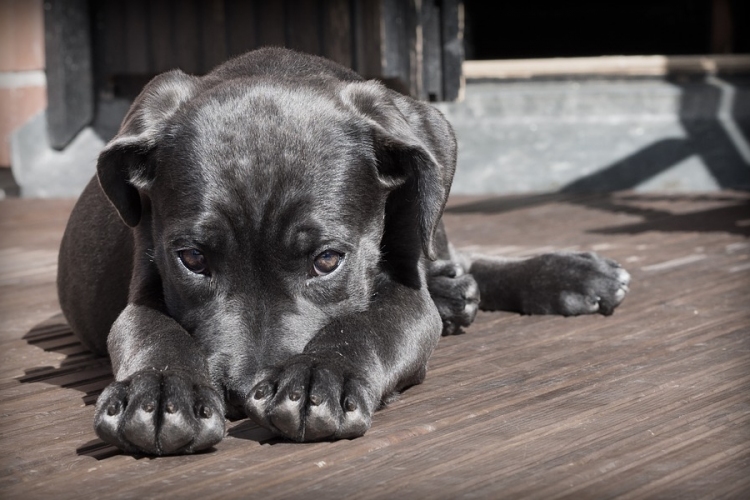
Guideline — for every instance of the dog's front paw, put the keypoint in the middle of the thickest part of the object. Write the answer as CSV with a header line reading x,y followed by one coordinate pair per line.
x,y
456,295
311,398
573,283
160,413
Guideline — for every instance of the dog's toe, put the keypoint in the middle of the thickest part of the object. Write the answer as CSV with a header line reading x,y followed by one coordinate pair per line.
x,y
310,399
159,414
322,421
572,284
456,299
109,415
622,276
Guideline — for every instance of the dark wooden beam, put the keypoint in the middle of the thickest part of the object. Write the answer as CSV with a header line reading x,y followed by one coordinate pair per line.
x,y
70,90
432,50
368,38
452,13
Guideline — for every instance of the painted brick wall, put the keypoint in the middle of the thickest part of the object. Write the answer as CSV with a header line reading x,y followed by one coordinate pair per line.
x,y
23,89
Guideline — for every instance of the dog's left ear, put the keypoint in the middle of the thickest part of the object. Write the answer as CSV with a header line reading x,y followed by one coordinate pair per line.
x,y
415,149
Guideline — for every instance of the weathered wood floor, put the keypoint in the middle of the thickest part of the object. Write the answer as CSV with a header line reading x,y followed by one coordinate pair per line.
x,y
653,402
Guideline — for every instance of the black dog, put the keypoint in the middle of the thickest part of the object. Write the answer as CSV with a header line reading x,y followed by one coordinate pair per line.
x,y
266,240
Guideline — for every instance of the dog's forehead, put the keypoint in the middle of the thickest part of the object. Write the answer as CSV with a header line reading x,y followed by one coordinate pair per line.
x,y
271,132
258,118
261,153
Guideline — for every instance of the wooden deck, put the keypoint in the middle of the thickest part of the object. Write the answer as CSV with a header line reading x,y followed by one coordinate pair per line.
x,y
653,402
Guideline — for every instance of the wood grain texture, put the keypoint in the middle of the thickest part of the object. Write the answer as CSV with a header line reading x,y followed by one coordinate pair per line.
x,y
337,31
242,23
303,26
652,402
368,38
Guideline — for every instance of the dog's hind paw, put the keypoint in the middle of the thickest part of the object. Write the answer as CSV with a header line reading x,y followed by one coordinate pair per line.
x,y
455,294
572,284
159,413
311,398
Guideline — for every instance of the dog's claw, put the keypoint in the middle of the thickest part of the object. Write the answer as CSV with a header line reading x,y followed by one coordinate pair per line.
x,y
262,391
350,405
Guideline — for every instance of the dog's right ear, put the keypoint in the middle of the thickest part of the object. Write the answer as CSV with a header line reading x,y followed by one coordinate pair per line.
x,y
125,167
415,151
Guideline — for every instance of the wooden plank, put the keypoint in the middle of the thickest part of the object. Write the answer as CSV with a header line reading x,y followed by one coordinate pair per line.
x,y
338,38
652,402
452,33
187,39
70,92
401,50
271,23
607,66
137,46
304,26
108,36
241,22
214,34
368,38
161,34
432,47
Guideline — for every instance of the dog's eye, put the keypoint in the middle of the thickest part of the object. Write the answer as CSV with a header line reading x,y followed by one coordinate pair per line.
x,y
194,260
326,262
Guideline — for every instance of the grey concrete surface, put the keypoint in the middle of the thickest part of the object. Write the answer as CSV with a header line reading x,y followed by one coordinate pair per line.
x,y
602,135
44,172
518,137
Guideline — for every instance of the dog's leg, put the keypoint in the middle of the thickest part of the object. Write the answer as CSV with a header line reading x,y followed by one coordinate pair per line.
x,y
162,401
562,283
455,293
346,371
452,288
94,268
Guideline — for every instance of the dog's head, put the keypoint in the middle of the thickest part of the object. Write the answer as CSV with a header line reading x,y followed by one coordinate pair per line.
x,y
265,209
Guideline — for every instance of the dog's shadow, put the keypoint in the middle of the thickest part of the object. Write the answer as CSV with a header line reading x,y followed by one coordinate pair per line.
x,y
81,370
90,374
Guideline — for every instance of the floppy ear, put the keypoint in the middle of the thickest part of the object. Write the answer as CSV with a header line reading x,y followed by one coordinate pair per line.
x,y
416,154
124,166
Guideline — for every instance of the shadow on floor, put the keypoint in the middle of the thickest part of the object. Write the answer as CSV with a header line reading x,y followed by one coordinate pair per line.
x,y
733,217
716,130
717,127
90,374
80,370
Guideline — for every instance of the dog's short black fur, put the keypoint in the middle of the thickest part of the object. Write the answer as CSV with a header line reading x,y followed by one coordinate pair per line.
x,y
266,240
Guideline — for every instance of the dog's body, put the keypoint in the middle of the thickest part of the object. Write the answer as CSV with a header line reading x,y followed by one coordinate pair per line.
x,y
266,241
